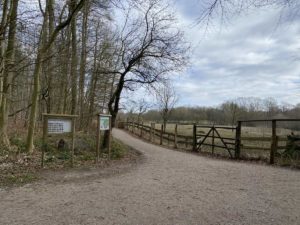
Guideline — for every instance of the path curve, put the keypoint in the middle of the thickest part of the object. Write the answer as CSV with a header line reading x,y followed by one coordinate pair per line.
x,y
169,187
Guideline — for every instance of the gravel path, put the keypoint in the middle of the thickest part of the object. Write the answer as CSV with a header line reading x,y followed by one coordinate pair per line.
x,y
169,187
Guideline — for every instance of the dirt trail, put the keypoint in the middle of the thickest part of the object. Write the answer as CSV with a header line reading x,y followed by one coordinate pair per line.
x,y
169,187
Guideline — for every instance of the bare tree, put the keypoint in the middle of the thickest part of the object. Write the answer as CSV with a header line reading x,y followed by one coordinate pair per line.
x,y
44,46
226,9
139,108
150,46
231,112
166,98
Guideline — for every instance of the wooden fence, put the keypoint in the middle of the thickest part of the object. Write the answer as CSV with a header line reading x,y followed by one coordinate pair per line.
x,y
273,140
213,137
160,136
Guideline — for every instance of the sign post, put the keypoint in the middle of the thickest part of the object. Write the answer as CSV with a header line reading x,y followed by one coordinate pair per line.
x,y
104,124
58,124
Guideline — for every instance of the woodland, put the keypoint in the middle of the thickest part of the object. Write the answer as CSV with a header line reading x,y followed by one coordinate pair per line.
x,y
77,57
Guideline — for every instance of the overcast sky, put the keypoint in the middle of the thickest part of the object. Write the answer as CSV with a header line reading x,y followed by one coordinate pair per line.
x,y
254,55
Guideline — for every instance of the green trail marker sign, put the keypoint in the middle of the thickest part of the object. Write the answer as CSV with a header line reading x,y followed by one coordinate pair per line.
x,y
104,124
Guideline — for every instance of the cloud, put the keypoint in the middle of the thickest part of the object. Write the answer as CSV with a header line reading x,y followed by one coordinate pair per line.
x,y
256,55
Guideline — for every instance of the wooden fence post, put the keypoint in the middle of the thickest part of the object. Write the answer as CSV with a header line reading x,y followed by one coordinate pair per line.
x,y
213,141
186,142
238,140
153,132
194,138
175,137
142,127
149,132
274,143
161,134
126,126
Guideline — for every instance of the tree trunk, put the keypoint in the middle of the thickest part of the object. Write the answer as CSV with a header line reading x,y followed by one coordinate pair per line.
x,y
94,79
83,61
49,62
74,61
36,86
34,98
2,43
66,72
113,105
9,58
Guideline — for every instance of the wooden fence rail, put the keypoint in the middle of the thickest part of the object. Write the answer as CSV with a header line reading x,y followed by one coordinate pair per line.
x,y
213,138
160,136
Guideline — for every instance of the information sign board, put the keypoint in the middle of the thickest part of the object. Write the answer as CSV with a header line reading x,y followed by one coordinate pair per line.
x,y
59,126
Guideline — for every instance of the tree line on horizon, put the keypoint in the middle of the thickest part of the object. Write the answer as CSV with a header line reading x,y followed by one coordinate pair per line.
x,y
227,113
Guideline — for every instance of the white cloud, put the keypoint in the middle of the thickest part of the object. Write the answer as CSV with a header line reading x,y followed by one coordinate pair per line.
x,y
254,56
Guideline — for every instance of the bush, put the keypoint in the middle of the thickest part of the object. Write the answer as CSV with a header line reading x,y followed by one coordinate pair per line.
x,y
19,143
118,149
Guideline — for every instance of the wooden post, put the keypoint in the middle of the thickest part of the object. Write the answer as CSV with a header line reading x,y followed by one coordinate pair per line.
x,y
213,141
149,132
45,134
194,138
274,143
132,127
175,137
153,132
109,139
98,133
73,142
238,140
168,139
161,134
142,127
186,142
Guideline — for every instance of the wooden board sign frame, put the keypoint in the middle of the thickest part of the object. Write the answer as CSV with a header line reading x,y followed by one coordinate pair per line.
x,y
98,143
58,117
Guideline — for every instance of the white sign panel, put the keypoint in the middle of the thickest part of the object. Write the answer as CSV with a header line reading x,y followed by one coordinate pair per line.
x,y
59,126
104,122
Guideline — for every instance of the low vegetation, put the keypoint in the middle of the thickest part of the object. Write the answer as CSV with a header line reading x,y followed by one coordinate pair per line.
x,y
18,167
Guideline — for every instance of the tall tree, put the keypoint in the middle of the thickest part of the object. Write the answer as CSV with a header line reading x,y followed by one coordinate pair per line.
x,y
8,66
43,48
74,60
149,48
3,28
166,98
82,72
